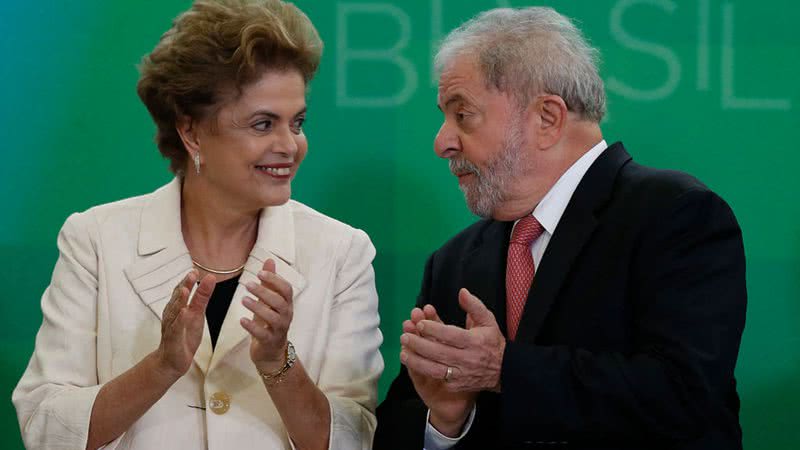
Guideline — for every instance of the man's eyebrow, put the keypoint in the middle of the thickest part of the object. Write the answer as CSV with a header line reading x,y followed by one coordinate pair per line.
x,y
455,98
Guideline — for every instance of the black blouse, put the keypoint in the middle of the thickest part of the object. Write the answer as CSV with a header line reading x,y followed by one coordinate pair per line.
x,y
218,306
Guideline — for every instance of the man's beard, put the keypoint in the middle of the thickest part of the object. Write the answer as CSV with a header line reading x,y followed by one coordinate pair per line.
x,y
491,186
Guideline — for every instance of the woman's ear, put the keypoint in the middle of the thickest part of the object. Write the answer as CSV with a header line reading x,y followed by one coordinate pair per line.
x,y
188,131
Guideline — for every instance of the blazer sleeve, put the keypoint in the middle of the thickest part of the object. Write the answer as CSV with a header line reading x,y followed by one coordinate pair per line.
x,y
55,395
349,377
688,300
402,416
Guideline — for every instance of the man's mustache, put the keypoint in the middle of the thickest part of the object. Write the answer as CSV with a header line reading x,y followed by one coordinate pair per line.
x,y
461,166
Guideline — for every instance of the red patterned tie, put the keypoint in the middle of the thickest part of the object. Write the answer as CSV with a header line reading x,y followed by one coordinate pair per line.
x,y
519,270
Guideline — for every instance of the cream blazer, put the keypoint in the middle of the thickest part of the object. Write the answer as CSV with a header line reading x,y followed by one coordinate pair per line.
x,y
117,267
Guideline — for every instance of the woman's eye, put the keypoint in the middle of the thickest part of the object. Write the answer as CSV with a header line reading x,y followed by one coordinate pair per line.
x,y
297,126
264,125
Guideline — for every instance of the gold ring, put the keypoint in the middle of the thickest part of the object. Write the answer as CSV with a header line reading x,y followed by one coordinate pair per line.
x,y
448,374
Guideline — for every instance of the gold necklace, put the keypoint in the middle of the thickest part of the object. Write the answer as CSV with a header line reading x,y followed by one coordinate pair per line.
x,y
218,272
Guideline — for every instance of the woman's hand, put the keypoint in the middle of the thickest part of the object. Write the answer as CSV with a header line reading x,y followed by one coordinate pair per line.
x,y
272,315
182,325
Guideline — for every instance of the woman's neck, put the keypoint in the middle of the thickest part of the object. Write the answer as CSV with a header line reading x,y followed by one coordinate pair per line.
x,y
217,234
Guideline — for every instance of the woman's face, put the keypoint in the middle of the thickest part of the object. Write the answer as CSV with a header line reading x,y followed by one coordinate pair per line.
x,y
251,150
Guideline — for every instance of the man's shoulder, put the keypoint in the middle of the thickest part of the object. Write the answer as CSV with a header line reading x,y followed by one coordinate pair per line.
x,y
646,188
631,180
652,182
467,238
647,192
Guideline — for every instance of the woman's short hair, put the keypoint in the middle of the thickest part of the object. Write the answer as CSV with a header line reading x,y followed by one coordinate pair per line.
x,y
530,51
211,52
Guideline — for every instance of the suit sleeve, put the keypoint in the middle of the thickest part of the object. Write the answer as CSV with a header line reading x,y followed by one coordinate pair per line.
x,y
402,416
55,395
349,379
688,299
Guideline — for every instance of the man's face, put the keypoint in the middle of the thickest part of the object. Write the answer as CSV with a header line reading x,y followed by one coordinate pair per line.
x,y
482,136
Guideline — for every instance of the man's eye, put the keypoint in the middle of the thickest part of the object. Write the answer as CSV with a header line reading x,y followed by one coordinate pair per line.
x,y
460,116
264,125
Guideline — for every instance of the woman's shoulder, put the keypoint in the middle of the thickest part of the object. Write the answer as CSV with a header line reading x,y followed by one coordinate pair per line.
x,y
118,214
319,234
119,210
322,228
83,232
306,216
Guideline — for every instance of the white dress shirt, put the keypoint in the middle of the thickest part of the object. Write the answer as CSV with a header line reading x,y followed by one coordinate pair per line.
x,y
548,212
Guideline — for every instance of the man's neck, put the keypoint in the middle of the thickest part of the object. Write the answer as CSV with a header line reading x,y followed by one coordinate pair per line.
x,y
554,162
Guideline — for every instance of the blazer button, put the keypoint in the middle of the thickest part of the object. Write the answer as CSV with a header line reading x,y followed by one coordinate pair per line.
x,y
220,402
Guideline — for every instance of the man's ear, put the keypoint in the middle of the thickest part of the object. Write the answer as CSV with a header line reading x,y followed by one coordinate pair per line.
x,y
188,131
549,115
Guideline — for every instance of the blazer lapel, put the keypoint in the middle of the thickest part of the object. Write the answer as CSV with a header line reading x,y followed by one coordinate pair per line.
x,y
575,228
163,259
276,240
485,269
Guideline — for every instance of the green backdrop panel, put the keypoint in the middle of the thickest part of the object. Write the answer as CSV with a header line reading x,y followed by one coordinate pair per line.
x,y
704,86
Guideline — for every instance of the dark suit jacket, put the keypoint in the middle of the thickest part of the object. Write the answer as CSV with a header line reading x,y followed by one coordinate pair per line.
x,y
631,329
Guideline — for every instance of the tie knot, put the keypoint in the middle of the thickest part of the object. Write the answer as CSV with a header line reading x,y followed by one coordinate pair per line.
x,y
526,231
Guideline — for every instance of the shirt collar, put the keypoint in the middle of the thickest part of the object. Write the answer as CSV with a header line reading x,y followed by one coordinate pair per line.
x,y
550,209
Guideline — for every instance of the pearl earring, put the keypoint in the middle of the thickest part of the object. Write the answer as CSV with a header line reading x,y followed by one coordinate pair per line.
x,y
196,159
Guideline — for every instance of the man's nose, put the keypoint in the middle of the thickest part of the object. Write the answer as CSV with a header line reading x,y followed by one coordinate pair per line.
x,y
447,143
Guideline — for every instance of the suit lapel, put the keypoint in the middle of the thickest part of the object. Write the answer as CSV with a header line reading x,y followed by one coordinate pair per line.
x,y
163,258
574,230
276,240
486,264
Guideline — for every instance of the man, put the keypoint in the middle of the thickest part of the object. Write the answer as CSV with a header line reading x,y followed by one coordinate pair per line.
x,y
599,304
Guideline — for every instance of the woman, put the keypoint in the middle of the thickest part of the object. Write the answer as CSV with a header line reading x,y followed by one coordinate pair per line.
x,y
214,312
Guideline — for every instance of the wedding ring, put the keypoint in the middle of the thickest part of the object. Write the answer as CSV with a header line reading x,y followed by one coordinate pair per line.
x,y
448,374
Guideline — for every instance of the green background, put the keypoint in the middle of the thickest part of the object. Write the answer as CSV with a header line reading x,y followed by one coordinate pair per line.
x,y
704,86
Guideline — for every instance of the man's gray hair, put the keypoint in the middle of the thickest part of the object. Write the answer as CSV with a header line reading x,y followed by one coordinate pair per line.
x,y
530,51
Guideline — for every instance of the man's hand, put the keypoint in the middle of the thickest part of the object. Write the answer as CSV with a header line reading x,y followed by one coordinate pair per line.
x,y
473,355
449,410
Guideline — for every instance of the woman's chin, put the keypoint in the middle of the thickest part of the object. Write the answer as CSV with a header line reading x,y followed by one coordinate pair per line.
x,y
275,199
